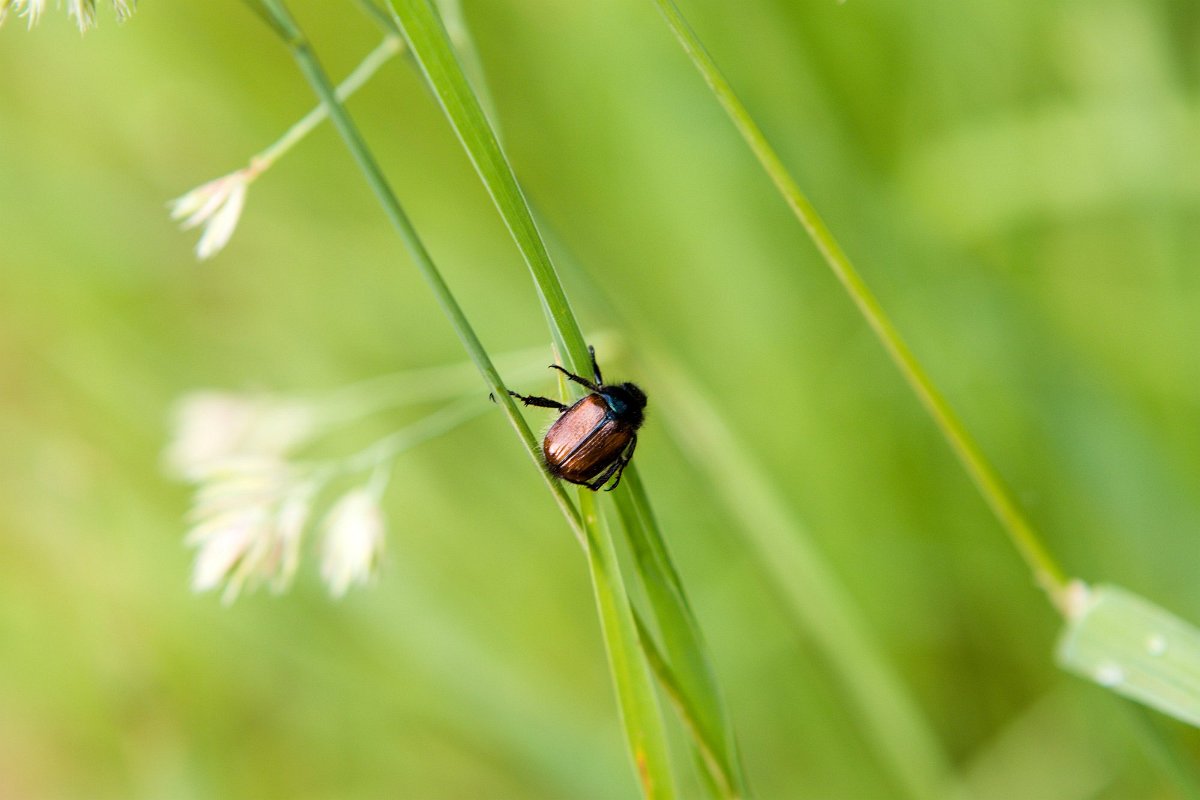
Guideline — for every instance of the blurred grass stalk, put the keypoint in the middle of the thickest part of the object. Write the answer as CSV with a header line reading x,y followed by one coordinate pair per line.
x,y
1101,643
812,595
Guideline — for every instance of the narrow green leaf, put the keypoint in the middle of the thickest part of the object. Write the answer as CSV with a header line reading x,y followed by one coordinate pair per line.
x,y
1169,751
635,693
1133,647
434,53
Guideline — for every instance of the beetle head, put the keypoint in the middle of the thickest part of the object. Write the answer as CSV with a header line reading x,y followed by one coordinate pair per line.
x,y
626,401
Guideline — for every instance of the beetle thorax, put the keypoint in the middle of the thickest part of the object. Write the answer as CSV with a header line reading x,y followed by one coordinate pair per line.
x,y
626,401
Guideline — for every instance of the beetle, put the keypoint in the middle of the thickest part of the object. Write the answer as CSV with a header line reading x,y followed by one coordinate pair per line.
x,y
593,439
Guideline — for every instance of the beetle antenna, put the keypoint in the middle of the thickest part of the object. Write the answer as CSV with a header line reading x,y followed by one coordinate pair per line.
x,y
595,366
578,379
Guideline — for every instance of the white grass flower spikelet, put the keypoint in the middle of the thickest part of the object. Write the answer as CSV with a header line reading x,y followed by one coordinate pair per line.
x,y
247,522
260,483
293,515
82,11
124,9
353,540
217,205
31,10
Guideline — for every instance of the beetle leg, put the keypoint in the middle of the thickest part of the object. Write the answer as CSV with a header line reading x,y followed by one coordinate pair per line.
x,y
542,402
616,468
604,476
572,376
595,366
623,462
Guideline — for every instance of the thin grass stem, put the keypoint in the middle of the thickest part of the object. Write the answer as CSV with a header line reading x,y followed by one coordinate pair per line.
x,y
282,22
431,426
423,385
366,69
1046,571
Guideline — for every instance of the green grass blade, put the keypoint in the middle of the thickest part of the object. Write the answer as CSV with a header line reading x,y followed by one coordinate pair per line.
x,y
681,634
697,696
810,591
1166,750
635,692
710,768
434,53
1021,533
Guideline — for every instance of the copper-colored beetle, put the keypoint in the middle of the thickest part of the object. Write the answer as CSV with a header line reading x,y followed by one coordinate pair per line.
x,y
592,440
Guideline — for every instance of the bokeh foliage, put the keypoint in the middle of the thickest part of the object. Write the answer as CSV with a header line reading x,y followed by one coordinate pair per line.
x,y
1018,181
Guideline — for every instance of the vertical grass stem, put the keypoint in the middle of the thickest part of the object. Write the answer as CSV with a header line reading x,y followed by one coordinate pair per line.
x,y
1046,571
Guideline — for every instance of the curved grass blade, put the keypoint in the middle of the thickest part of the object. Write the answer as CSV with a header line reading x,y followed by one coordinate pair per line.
x,y
635,693
807,586
431,47
434,53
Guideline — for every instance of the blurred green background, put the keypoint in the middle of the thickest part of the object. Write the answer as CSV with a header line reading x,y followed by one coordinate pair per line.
x,y
1020,182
